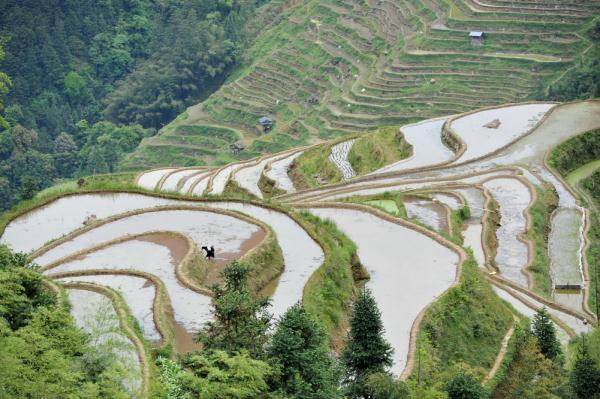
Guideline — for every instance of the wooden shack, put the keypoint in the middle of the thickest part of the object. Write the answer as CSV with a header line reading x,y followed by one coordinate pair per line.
x,y
477,37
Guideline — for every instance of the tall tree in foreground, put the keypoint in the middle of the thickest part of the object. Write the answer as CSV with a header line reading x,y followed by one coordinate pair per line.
x,y
585,377
366,351
545,332
530,375
240,320
299,350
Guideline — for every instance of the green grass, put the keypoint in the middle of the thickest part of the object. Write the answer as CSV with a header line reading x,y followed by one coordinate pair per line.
x,y
330,290
388,206
541,217
574,177
379,148
391,202
576,152
313,167
463,329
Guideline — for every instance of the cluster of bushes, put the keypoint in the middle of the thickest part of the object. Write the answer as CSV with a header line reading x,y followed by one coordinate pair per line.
x,y
576,151
583,81
42,353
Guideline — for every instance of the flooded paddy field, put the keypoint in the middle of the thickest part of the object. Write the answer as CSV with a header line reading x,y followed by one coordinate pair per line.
x,y
138,294
486,131
428,148
150,180
279,172
301,254
192,181
339,157
226,233
173,180
191,309
94,313
427,212
513,198
564,246
408,270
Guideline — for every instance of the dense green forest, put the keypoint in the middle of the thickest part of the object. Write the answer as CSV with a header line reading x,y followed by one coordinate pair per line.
x,y
90,79
583,81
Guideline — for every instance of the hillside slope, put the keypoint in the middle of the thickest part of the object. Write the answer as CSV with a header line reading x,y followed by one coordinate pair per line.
x,y
331,68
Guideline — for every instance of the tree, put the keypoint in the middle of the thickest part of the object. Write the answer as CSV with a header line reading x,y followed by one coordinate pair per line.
x,y
531,375
299,350
366,350
544,331
585,376
219,375
5,83
29,186
464,386
76,87
240,320
65,154
385,386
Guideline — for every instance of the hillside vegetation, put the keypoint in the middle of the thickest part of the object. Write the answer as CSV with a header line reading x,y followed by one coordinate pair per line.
x,y
85,81
331,68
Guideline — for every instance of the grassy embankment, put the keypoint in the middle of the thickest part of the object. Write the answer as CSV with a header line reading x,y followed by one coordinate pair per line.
x,y
490,226
393,203
314,168
461,330
575,159
372,151
538,234
329,291
369,152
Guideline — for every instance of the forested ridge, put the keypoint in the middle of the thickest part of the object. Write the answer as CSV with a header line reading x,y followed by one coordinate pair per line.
x,y
85,81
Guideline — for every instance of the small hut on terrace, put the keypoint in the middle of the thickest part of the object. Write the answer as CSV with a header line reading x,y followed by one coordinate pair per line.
x,y
477,37
266,123
237,147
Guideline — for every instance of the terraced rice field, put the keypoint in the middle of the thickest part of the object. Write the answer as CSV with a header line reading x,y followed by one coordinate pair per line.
x,y
332,68
147,246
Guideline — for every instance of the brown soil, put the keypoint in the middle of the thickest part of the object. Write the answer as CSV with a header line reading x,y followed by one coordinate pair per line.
x,y
178,247
224,258
184,340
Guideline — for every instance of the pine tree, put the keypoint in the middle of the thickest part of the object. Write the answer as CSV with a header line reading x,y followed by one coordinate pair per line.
x,y
585,377
366,351
545,333
299,350
240,320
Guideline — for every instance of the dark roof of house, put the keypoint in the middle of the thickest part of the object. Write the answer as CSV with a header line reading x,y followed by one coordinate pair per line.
x,y
476,34
264,120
